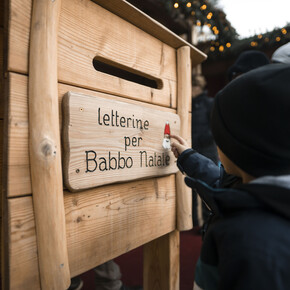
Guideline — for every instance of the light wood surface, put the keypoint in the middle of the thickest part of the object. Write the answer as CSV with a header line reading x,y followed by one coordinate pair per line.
x,y
1,72
161,263
108,141
101,224
87,30
45,148
1,13
54,235
18,180
184,196
1,162
138,18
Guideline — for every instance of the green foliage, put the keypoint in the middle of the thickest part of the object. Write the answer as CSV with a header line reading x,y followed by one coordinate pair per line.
x,y
203,12
261,42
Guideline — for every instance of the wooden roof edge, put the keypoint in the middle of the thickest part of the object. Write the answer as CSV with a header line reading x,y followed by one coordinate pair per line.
x,y
138,18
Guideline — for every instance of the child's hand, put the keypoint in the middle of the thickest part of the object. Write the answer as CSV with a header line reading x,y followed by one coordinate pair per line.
x,y
178,146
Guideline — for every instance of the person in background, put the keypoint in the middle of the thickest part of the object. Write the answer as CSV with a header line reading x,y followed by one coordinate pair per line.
x,y
201,137
282,54
246,245
107,277
247,61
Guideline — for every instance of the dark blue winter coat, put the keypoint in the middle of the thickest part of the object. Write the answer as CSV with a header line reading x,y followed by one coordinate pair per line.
x,y
247,242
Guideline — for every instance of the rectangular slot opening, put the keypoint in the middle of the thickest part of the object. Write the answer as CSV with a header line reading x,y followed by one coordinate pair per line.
x,y
115,69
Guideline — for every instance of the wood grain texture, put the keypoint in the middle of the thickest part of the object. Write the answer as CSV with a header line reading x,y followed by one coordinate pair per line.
x,y
101,224
18,180
184,195
45,147
2,13
22,259
107,141
1,71
151,26
1,162
88,30
161,263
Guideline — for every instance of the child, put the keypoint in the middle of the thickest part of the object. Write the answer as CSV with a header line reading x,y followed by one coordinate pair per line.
x,y
247,242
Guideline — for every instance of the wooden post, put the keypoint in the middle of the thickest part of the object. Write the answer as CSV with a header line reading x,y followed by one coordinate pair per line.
x,y
161,263
45,150
184,195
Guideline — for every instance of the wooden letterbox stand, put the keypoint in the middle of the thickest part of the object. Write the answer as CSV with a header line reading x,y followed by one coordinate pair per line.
x,y
76,190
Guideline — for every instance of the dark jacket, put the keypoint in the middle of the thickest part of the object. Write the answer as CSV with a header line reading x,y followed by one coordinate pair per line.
x,y
201,137
247,243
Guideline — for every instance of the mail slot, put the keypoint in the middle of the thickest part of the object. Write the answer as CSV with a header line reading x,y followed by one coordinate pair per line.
x,y
88,90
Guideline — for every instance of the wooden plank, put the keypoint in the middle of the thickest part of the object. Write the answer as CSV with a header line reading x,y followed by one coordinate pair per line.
x,y
101,224
2,13
18,158
188,138
1,162
184,195
1,72
22,232
138,18
88,30
1,254
1,51
45,147
108,141
161,263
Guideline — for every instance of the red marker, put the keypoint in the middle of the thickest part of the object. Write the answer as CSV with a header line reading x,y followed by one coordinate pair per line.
x,y
166,140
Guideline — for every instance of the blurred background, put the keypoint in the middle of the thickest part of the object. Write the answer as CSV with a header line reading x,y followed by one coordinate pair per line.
x,y
223,29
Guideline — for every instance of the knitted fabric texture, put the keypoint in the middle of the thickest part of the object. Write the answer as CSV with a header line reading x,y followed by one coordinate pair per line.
x,y
250,120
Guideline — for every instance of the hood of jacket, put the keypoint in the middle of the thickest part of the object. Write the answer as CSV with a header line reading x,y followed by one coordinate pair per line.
x,y
271,193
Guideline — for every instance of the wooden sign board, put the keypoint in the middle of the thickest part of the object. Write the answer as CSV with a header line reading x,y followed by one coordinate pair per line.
x,y
107,141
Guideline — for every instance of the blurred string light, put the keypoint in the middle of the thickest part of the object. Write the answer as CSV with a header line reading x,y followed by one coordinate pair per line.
x,y
209,15
254,43
258,41
204,14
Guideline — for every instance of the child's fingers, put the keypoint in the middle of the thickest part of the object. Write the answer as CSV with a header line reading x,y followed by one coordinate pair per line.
x,y
175,153
179,147
179,139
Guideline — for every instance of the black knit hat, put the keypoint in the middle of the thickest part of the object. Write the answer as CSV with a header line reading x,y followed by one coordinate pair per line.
x,y
251,120
247,61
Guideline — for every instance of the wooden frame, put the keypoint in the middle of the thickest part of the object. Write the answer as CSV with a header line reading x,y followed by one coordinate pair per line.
x,y
48,233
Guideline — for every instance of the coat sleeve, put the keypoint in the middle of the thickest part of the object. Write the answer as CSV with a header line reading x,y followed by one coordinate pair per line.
x,y
199,167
